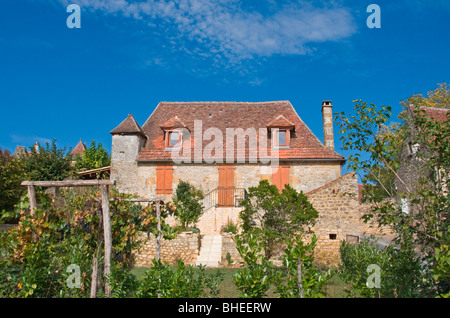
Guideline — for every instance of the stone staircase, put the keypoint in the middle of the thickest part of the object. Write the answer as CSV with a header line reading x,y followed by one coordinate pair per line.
x,y
210,251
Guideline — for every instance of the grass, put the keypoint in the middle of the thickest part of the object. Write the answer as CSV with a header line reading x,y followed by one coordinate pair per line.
x,y
335,287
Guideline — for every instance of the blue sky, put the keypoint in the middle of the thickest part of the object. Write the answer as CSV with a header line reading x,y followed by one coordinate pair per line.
x,y
68,84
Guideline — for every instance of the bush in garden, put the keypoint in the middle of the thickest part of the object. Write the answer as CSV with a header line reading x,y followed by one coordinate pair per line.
x,y
255,279
400,270
275,216
188,204
298,265
184,281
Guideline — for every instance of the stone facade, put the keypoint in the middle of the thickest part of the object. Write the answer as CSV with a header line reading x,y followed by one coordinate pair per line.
x,y
339,217
185,246
140,179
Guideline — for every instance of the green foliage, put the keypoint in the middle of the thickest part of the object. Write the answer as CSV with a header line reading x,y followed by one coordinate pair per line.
x,y
400,274
35,255
12,173
123,283
312,282
255,278
93,157
377,157
277,216
439,97
162,281
48,163
229,227
188,206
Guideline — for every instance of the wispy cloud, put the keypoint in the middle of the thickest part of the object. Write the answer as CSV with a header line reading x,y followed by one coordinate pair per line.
x,y
228,31
28,141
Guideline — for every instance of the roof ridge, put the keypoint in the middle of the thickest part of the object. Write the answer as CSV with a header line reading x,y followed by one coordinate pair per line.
x,y
331,182
434,108
221,102
123,126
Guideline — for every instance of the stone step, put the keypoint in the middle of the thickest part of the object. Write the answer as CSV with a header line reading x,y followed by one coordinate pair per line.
x,y
210,251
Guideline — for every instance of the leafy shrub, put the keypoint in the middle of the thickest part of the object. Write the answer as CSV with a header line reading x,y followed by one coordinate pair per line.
x,y
299,255
229,227
255,279
185,281
400,274
188,206
277,215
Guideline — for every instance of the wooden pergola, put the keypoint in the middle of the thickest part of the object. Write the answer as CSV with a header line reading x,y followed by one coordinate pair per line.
x,y
106,217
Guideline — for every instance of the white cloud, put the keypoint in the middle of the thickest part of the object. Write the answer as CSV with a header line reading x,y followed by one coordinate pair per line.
x,y
29,141
236,33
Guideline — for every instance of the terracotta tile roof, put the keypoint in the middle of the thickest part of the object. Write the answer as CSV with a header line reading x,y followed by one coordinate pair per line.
x,y
439,114
280,121
222,115
128,126
79,148
173,122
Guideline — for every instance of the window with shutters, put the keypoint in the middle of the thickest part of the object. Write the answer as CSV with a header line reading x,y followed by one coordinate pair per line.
x,y
280,176
164,179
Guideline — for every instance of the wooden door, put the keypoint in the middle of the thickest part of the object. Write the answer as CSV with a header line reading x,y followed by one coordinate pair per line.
x,y
281,177
226,186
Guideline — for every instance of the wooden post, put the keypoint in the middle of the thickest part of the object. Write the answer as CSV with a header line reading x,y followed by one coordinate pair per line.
x,y
299,278
94,278
108,237
32,199
158,237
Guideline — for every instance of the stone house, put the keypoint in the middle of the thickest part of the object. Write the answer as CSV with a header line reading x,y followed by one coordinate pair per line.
x,y
223,148
413,155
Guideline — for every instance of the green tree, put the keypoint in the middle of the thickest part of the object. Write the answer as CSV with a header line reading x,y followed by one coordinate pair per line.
x,y
300,278
276,216
12,173
93,157
188,204
439,97
255,279
377,148
48,163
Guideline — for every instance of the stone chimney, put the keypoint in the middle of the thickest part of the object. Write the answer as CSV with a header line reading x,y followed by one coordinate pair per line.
x,y
327,117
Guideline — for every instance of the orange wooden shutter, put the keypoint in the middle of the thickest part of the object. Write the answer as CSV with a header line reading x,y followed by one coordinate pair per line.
x,y
281,177
164,175
168,179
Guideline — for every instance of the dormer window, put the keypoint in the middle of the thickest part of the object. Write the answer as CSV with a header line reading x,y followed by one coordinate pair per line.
x,y
280,128
280,137
173,139
173,133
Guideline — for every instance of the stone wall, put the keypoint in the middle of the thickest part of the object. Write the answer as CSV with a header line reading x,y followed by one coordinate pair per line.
x,y
229,248
339,217
140,178
214,219
185,246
